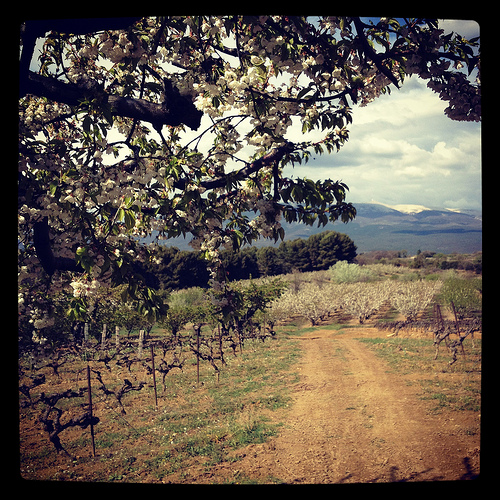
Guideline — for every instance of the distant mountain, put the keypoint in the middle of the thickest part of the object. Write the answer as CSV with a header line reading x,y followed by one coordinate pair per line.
x,y
380,227
397,227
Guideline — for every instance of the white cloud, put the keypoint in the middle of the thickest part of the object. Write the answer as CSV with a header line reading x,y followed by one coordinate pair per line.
x,y
380,146
403,149
410,171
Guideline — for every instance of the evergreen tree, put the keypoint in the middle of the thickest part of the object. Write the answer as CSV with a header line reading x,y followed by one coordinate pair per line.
x,y
175,269
333,247
295,254
270,261
241,265
190,269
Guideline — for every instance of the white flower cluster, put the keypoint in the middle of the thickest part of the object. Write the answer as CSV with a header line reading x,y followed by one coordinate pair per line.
x,y
210,243
412,297
310,301
38,319
464,99
331,23
116,46
361,300
36,113
268,221
218,292
38,339
41,319
83,288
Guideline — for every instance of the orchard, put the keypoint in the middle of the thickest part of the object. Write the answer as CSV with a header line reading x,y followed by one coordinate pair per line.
x,y
163,126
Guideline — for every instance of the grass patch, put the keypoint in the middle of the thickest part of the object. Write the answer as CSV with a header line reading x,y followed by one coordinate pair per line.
x,y
236,411
456,387
295,329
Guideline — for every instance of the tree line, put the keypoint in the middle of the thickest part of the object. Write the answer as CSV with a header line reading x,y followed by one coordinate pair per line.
x,y
179,269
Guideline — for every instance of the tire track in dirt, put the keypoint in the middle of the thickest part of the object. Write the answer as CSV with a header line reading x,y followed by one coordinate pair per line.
x,y
351,421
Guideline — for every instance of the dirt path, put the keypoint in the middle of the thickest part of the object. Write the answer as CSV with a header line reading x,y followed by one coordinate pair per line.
x,y
351,421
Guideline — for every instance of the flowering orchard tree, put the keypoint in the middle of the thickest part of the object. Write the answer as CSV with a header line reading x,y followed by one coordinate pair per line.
x,y
359,300
168,126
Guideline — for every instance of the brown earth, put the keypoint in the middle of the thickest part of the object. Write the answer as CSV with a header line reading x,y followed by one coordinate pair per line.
x,y
353,422
350,421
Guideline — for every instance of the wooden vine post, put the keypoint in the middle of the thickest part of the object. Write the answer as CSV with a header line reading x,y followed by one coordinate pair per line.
x,y
154,375
198,354
141,343
90,410
241,333
438,316
457,323
220,344
103,335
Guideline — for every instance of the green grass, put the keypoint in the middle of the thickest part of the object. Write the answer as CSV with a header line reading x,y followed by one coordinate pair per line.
x,y
296,329
456,387
217,418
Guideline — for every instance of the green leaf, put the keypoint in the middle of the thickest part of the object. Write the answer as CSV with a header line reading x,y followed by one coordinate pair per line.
x,y
104,130
81,251
82,258
239,235
106,112
87,122
155,87
129,219
52,187
303,92
120,215
77,310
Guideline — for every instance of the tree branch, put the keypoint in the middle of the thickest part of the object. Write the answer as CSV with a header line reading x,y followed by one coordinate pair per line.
x,y
369,52
41,242
275,155
51,263
180,110
31,30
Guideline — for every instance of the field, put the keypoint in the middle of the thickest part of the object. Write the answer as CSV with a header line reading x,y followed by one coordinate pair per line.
x,y
336,402
194,422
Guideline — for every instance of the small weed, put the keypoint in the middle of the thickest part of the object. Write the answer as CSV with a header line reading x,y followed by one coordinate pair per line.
x,y
109,439
115,477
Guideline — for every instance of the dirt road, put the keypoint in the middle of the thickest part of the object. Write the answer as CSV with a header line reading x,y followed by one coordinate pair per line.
x,y
352,421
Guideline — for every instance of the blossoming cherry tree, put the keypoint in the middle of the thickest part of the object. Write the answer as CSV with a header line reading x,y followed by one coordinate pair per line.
x,y
155,127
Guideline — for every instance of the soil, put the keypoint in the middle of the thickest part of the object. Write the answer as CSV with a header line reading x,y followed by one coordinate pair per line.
x,y
353,422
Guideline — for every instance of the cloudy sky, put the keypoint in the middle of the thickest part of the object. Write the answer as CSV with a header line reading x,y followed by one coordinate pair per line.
x,y
404,150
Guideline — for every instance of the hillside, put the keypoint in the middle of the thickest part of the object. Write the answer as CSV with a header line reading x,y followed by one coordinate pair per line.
x,y
377,227
381,227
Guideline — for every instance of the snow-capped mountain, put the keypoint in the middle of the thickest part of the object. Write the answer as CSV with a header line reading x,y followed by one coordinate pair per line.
x,y
406,227
405,208
395,227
